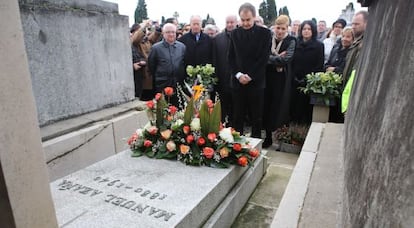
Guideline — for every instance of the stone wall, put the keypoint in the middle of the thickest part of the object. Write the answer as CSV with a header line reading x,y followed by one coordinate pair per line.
x,y
79,56
379,139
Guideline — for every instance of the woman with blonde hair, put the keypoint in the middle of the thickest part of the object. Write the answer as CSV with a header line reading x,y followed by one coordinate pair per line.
x,y
278,79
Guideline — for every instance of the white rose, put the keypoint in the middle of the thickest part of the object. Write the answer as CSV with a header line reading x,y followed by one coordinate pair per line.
x,y
178,122
147,126
195,124
226,135
139,132
171,146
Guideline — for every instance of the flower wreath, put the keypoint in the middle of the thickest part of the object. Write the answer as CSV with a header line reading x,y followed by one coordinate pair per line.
x,y
193,136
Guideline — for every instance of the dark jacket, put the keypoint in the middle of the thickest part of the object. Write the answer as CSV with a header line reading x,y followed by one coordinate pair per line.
x,y
166,64
221,44
309,57
197,52
138,74
278,85
352,58
337,58
248,54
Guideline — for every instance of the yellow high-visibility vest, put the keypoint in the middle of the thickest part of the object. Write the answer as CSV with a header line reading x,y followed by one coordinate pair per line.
x,y
347,92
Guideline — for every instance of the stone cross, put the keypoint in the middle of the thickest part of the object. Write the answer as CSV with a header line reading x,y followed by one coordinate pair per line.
x,y
25,198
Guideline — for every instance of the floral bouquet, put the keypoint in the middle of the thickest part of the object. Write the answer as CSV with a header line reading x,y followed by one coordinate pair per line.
x,y
326,85
193,136
200,79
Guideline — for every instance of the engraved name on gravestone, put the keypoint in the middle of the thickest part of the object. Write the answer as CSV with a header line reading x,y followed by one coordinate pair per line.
x,y
99,186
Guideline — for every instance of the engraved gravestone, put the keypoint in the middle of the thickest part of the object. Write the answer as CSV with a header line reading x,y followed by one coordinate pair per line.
x,y
122,191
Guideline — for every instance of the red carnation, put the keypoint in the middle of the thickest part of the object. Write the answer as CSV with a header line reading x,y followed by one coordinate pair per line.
x,y
186,129
237,147
132,139
150,104
208,152
190,139
201,141
158,96
242,161
254,152
172,109
211,137
147,143
168,91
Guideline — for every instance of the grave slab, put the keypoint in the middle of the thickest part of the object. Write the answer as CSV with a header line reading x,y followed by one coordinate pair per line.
x,y
122,191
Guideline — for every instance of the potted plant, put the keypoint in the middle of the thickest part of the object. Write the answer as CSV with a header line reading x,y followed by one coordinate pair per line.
x,y
291,138
323,88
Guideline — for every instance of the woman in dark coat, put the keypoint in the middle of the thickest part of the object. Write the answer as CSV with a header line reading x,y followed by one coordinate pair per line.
x,y
309,57
278,79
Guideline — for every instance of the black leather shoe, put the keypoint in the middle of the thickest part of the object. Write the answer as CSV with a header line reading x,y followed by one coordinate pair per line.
x,y
267,143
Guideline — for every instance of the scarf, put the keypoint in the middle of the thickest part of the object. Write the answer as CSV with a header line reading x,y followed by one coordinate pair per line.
x,y
276,47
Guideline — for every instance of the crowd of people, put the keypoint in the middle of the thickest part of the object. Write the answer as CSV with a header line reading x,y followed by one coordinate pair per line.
x,y
259,69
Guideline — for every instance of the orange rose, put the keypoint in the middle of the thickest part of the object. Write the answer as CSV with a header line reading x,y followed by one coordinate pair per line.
x,y
184,149
171,146
211,137
208,152
237,147
201,141
168,91
147,143
242,161
158,96
224,152
150,104
254,152
166,134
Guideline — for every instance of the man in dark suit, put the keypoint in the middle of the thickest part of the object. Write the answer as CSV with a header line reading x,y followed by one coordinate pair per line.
x,y
198,44
248,55
221,43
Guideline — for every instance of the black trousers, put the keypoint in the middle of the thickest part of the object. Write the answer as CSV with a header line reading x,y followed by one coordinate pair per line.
x,y
226,105
248,99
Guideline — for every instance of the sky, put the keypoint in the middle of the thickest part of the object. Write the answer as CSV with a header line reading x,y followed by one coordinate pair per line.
x,y
328,10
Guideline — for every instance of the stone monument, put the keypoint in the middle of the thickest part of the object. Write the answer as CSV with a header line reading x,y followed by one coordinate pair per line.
x,y
379,139
25,198
79,56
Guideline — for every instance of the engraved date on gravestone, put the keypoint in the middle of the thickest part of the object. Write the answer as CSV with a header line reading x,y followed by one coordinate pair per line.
x,y
116,183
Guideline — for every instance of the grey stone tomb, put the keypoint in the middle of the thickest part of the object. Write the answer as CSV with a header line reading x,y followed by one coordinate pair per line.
x,y
122,191
25,199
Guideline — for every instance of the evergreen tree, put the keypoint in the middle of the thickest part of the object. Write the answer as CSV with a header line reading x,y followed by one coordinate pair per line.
x,y
141,11
205,21
271,12
263,11
285,11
